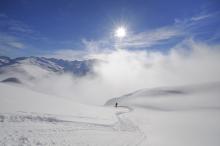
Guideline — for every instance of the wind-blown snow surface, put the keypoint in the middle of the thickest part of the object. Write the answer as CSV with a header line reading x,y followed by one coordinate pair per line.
x,y
166,116
176,116
31,118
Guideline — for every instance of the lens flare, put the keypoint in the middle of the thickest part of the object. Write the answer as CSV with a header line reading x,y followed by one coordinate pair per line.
x,y
120,32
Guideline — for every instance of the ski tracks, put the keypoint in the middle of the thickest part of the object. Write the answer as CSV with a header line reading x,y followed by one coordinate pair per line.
x,y
125,124
38,129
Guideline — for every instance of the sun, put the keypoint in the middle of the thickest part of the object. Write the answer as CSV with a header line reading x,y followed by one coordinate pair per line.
x,y
120,32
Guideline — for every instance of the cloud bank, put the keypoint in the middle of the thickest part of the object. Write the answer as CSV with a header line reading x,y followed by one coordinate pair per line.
x,y
122,71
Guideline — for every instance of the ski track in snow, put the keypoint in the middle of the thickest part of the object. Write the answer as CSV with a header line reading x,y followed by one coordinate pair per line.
x,y
26,129
127,124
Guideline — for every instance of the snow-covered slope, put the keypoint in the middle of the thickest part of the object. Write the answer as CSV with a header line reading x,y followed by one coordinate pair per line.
x,y
15,98
4,60
32,118
164,116
176,116
168,116
174,98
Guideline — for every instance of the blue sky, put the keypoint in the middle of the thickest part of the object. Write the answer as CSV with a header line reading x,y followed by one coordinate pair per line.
x,y
45,27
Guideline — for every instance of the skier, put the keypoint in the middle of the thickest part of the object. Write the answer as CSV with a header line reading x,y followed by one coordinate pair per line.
x,y
116,104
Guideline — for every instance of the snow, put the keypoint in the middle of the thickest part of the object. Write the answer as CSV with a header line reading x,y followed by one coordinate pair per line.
x,y
164,116
25,72
17,98
31,66
31,118
41,62
182,128
3,61
183,116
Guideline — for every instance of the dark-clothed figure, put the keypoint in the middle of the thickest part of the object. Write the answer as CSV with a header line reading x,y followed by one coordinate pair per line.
x,y
116,104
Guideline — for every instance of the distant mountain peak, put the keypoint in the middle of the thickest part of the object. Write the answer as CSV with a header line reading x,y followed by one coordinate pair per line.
x,y
22,65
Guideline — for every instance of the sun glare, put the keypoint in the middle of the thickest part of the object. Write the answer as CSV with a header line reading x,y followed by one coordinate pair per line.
x,y
120,32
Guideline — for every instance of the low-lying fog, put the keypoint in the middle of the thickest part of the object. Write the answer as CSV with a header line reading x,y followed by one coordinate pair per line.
x,y
122,71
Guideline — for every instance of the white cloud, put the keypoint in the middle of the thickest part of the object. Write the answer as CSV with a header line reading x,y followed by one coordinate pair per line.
x,y
89,49
134,41
10,42
96,46
15,34
68,54
14,26
16,44
150,38
124,71
146,39
201,17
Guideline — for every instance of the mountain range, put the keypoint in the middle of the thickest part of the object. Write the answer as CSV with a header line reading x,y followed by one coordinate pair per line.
x,y
35,67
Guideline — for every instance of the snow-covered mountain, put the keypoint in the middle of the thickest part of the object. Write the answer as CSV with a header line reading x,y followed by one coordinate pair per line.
x,y
4,60
177,115
198,96
37,67
32,118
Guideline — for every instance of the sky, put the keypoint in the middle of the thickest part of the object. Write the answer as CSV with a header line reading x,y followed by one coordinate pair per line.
x,y
72,28
168,43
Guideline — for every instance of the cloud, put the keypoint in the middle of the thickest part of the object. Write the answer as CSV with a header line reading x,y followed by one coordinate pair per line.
x,y
88,49
16,35
14,26
16,44
124,71
136,40
97,45
124,67
201,17
10,42
164,35
68,54
159,36
196,19
2,15
150,38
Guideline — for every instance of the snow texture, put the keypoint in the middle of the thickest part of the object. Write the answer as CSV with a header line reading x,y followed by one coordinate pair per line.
x,y
31,118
